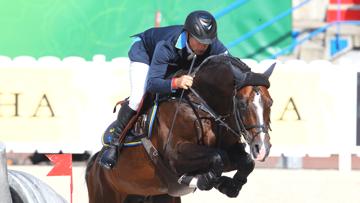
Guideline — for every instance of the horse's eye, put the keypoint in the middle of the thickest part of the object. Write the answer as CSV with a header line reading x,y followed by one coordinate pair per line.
x,y
242,105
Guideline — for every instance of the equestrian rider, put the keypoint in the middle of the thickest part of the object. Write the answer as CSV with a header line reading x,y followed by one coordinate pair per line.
x,y
154,54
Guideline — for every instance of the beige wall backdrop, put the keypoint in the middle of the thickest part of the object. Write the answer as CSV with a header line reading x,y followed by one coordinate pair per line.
x,y
52,105
314,106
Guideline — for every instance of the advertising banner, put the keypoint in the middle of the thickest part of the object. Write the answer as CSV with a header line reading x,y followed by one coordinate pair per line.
x,y
52,105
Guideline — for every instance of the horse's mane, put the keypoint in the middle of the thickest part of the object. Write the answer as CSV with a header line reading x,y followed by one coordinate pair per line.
x,y
243,76
217,60
224,58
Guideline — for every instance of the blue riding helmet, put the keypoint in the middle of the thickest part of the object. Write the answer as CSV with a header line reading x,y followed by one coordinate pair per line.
x,y
202,26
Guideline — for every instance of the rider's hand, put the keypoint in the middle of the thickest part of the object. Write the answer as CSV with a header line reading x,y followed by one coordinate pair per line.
x,y
183,82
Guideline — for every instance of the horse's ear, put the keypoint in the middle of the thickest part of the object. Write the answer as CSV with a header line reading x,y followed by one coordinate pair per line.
x,y
268,72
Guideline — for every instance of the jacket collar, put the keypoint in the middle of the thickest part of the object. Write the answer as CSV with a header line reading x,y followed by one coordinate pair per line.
x,y
181,41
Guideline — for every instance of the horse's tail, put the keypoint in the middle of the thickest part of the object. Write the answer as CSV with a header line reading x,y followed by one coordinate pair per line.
x,y
90,164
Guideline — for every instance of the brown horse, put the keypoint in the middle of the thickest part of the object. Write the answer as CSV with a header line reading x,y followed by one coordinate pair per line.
x,y
226,103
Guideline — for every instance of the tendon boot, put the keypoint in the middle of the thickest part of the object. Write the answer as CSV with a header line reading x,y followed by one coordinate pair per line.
x,y
110,139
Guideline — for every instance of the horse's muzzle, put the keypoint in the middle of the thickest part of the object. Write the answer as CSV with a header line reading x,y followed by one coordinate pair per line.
x,y
260,147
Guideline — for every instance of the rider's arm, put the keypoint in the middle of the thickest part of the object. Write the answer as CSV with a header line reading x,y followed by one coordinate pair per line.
x,y
156,83
183,82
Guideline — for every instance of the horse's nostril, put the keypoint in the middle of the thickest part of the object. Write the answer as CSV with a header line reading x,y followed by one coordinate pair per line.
x,y
257,148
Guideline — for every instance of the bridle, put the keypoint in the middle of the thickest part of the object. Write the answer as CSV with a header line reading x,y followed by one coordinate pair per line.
x,y
241,130
239,120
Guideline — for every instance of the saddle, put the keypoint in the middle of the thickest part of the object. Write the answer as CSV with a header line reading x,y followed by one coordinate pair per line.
x,y
139,128
141,124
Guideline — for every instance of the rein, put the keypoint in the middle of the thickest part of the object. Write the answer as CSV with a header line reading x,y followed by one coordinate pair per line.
x,y
220,119
177,107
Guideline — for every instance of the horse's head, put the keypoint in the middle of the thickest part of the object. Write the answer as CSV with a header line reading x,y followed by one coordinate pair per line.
x,y
252,104
240,100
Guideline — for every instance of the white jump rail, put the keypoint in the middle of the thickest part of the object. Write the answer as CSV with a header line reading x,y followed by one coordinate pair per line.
x,y
18,186
5,195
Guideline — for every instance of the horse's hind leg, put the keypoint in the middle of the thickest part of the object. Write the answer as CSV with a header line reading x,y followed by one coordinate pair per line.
x,y
244,164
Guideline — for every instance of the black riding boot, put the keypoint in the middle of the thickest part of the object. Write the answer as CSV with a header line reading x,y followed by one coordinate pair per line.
x,y
111,137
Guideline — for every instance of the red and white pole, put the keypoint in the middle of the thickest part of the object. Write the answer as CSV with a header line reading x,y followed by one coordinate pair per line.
x,y
157,18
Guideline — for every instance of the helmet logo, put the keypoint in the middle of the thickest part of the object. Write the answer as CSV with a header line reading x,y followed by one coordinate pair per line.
x,y
206,23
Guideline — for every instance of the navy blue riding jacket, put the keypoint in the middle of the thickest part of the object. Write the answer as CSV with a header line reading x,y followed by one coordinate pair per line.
x,y
164,50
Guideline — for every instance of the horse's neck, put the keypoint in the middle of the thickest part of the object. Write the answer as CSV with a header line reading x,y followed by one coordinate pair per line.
x,y
216,89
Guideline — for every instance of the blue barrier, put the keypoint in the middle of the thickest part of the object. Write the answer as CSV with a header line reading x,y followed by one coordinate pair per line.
x,y
311,35
231,7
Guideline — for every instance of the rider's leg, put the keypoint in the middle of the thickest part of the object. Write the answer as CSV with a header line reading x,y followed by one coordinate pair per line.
x,y
110,138
138,73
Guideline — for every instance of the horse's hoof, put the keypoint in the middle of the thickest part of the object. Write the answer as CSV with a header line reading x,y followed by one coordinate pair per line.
x,y
232,192
228,186
206,181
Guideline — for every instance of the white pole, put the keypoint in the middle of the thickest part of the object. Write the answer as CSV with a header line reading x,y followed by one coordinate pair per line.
x,y
5,195
345,161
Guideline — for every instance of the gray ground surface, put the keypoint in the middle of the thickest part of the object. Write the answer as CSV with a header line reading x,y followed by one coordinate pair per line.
x,y
264,186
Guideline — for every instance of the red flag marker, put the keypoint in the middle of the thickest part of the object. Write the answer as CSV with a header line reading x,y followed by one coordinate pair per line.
x,y
63,167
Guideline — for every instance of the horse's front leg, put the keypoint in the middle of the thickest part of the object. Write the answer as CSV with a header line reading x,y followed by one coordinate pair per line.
x,y
201,164
244,164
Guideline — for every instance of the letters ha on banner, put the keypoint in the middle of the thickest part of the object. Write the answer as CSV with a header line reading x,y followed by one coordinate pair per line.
x,y
39,104
59,105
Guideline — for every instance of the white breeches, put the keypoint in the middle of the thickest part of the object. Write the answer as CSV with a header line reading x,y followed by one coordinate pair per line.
x,y
138,73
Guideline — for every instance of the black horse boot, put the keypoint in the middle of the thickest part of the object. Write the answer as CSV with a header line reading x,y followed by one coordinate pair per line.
x,y
111,137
